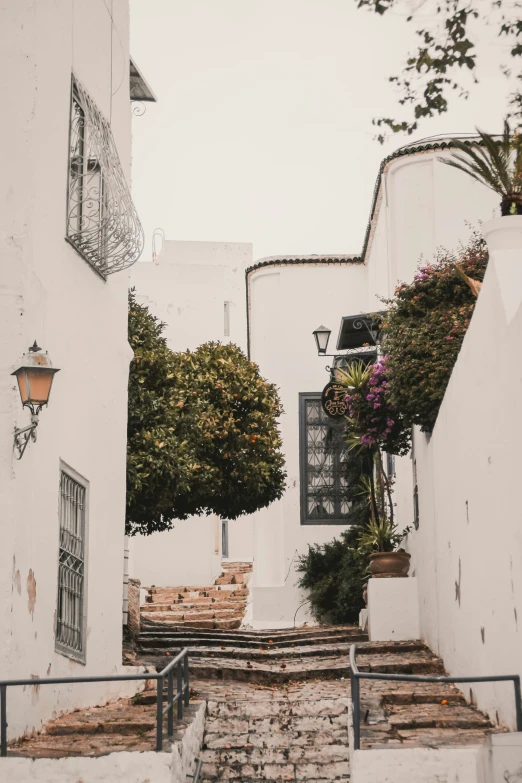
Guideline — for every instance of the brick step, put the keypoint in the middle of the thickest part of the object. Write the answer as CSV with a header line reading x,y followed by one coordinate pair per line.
x,y
209,614
229,579
223,624
431,716
165,636
199,597
202,648
287,779
310,772
202,606
240,654
125,725
281,637
276,708
197,589
322,754
283,739
289,670
423,738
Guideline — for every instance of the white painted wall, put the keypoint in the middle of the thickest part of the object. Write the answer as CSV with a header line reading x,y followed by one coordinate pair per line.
x,y
467,553
48,292
287,302
187,287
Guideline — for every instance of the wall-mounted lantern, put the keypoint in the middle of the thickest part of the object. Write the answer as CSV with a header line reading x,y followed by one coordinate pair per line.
x,y
35,378
322,335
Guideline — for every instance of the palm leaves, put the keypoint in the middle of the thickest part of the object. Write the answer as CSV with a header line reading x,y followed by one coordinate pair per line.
x,y
496,163
355,375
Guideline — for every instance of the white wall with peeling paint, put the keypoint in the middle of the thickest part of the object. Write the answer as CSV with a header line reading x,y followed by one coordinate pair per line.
x,y
48,292
467,552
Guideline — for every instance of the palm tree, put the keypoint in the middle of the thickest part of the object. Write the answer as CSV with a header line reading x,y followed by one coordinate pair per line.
x,y
497,163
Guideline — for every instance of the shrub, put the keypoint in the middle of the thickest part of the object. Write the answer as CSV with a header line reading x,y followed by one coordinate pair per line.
x,y
335,573
424,329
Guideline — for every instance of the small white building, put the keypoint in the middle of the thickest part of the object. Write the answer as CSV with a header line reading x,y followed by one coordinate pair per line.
x,y
68,232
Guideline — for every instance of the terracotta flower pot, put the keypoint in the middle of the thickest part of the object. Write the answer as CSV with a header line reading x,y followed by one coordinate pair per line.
x,y
385,564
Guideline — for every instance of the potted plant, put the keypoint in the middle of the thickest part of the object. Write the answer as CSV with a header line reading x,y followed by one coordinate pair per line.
x,y
496,163
375,426
381,541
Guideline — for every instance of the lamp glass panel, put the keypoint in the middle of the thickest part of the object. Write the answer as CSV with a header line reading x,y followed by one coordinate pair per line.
x,y
321,339
35,386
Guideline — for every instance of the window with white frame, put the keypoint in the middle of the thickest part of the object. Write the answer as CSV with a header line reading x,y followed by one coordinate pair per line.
x,y
71,609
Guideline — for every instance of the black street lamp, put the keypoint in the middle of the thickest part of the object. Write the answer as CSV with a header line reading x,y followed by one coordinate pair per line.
x,y
322,335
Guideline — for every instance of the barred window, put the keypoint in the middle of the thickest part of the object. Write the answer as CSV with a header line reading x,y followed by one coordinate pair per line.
x,y
323,454
71,615
102,222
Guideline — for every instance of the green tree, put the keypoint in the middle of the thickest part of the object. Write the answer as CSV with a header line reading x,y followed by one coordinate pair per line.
x,y
202,431
447,30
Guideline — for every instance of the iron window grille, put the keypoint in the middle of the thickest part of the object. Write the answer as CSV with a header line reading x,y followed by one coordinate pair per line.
x,y
71,614
102,222
323,456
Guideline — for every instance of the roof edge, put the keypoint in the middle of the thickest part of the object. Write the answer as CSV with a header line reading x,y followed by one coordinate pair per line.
x,y
304,260
428,145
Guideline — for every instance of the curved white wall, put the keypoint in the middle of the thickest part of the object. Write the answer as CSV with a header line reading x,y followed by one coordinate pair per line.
x,y
287,302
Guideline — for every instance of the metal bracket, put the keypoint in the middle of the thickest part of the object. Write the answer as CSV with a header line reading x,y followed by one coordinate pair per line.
x,y
24,435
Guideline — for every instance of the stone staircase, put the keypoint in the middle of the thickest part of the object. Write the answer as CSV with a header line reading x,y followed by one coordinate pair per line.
x,y
277,701
221,605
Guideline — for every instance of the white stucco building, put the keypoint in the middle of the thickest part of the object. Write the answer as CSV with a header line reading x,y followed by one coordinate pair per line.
x,y
275,304
68,232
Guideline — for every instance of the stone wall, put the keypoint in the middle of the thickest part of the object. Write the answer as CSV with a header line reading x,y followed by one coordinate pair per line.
x,y
133,621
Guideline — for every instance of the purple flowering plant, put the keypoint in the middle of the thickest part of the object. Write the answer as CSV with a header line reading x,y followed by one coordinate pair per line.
x,y
374,420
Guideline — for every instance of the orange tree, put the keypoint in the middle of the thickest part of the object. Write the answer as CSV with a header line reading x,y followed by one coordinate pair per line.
x,y
203,435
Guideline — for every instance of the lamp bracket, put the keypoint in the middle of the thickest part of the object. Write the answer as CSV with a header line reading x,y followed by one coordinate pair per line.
x,y
24,435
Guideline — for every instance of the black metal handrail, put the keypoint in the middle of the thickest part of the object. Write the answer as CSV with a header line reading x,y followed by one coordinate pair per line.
x,y
197,772
356,675
182,697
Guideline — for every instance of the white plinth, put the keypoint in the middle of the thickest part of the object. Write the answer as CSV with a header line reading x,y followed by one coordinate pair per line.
x,y
363,620
393,609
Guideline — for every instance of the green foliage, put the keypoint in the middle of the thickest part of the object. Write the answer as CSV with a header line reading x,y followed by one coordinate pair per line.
x,y
424,329
446,47
382,535
335,575
202,431
497,164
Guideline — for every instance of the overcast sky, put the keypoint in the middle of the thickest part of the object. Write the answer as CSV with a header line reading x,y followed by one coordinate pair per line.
x,y
263,128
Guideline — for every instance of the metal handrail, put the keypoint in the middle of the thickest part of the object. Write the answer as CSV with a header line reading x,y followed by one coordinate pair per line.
x,y
182,697
356,675
197,772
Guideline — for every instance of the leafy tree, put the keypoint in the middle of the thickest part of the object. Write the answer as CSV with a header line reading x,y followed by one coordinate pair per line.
x,y
202,431
447,51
